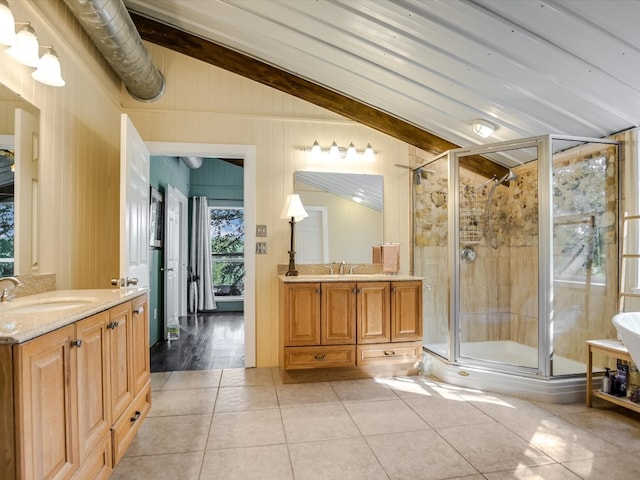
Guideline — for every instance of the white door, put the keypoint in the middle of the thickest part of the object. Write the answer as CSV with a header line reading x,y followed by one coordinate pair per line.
x,y
312,244
175,264
26,193
134,205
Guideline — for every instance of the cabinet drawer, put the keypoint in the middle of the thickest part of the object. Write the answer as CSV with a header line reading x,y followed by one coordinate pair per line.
x,y
129,422
98,463
319,357
383,353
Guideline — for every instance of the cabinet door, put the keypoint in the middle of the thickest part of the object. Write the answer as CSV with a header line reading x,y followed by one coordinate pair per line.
x,y
406,311
374,313
140,338
338,312
121,371
46,399
302,314
94,409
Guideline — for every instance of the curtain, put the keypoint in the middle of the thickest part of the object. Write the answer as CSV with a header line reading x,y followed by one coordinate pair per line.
x,y
202,287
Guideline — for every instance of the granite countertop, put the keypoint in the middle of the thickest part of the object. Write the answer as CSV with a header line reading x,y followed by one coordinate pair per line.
x,y
28,317
364,277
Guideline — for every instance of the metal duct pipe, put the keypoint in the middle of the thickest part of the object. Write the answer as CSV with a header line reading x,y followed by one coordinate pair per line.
x,y
110,27
192,162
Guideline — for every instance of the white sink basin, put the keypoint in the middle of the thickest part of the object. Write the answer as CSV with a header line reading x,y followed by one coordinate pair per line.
x,y
50,305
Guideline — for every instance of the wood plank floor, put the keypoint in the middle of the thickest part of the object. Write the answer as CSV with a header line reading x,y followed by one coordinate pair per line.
x,y
207,341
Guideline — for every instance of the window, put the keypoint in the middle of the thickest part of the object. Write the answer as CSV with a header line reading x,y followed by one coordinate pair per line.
x,y
6,239
227,251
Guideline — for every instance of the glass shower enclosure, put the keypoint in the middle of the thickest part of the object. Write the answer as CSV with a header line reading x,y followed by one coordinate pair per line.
x,y
517,245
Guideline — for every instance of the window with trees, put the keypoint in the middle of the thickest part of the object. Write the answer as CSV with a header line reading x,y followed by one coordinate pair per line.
x,y
227,251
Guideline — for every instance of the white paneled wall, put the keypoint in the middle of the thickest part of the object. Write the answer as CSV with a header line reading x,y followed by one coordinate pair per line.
x,y
204,104
79,149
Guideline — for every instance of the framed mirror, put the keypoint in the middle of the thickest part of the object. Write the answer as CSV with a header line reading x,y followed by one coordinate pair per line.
x,y
19,151
345,216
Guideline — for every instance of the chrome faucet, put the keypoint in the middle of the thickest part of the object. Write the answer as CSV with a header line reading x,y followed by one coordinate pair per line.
x,y
353,267
330,269
5,292
342,268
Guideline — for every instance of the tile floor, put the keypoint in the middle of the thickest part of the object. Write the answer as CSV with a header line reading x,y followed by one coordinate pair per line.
x,y
245,424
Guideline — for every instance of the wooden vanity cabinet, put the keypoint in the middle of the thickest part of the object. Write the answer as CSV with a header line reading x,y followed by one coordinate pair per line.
x,y
66,395
343,324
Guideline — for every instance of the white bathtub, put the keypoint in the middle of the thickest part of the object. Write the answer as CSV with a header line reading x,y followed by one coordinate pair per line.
x,y
628,326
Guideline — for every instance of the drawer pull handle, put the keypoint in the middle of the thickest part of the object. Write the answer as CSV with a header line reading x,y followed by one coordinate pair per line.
x,y
76,343
389,353
136,416
139,310
112,325
321,356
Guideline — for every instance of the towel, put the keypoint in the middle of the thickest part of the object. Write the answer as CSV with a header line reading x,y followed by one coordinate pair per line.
x,y
391,258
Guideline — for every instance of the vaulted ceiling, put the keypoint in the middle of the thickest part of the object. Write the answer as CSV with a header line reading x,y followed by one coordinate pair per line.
x,y
423,70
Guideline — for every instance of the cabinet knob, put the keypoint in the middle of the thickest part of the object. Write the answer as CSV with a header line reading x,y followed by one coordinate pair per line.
x,y
321,356
136,416
393,289
112,325
139,310
77,343
317,290
389,353
132,281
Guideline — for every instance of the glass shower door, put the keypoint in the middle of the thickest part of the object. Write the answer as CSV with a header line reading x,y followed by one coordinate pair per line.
x,y
495,243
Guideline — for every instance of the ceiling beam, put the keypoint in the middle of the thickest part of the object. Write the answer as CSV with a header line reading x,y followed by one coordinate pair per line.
x,y
233,61
214,54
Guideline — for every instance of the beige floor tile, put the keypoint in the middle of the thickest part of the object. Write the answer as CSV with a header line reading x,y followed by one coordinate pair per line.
x,y
305,394
185,466
411,386
490,447
182,402
317,422
366,390
424,455
251,463
458,411
388,416
620,429
158,379
505,409
194,379
161,435
615,465
243,377
233,399
342,459
545,472
246,429
560,439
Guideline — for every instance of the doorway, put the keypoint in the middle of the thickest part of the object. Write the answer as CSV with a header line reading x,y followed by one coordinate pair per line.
x,y
247,154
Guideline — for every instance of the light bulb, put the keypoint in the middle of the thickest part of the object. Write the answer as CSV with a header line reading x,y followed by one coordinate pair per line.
x,y
7,25
369,156
48,71
351,152
334,151
25,48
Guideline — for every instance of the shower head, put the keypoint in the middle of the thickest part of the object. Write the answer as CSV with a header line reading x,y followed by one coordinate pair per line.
x,y
511,175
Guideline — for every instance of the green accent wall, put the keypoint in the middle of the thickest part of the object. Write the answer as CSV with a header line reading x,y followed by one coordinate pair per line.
x,y
222,183
164,171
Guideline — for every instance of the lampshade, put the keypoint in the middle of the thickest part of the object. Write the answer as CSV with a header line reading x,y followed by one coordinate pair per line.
x,y
316,151
351,152
48,71
7,25
334,151
483,128
25,48
293,208
369,156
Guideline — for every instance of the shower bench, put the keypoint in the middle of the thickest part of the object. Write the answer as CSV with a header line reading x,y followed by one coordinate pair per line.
x,y
612,349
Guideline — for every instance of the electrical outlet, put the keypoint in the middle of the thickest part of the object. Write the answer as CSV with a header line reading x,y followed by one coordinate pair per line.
x,y
261,248
261,230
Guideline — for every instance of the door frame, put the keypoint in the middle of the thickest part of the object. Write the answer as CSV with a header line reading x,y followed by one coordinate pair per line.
x,y
248,154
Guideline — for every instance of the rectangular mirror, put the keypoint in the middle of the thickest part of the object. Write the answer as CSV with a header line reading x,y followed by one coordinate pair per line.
x,y
345,217
19,138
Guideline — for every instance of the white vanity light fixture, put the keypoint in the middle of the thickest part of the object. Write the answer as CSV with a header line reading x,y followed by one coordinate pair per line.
x,y
25,48
48,71
294,210
483,128
7,25
336,153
